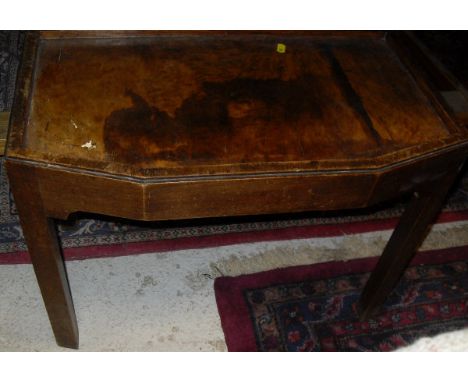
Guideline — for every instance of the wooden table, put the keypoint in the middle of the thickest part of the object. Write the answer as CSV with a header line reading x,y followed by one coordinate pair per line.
x,y
177,125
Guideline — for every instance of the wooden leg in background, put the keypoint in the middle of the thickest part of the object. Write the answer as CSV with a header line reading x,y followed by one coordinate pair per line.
x,y
44,249
411,230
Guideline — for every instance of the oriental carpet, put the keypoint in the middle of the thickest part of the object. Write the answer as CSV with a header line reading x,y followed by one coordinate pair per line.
x,y
314,308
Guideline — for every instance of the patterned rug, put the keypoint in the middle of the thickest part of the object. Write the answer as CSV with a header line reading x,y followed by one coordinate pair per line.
x,y
313,308
11,46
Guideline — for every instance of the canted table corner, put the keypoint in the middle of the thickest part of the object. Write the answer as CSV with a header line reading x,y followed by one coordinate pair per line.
x,y
177,125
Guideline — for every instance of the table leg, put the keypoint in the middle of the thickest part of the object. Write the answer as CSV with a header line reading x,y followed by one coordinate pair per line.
x,y
411,230
44,249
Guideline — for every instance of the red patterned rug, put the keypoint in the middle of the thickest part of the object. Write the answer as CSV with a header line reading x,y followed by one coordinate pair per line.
x,y
313,308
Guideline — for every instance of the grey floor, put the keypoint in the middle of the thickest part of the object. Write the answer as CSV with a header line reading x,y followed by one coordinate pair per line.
x,y
165,302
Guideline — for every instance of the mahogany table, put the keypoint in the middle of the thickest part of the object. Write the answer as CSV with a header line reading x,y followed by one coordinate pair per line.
x,y
177,125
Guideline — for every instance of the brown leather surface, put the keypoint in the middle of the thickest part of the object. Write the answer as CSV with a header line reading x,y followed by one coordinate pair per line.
x,y
218,104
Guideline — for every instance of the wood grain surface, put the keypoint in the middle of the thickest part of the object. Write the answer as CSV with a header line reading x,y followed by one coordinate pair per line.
x,y
225,104
4,118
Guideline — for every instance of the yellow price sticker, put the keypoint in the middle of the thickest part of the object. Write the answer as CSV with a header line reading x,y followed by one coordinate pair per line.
x,y
281,48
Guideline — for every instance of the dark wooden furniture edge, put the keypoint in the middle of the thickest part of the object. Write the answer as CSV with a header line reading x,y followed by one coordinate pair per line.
x,y
408,235
205,196
45,252
433,78
4,121
83,34
19,114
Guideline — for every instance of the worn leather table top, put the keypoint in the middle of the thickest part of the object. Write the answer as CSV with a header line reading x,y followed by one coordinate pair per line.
x,y
187,104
